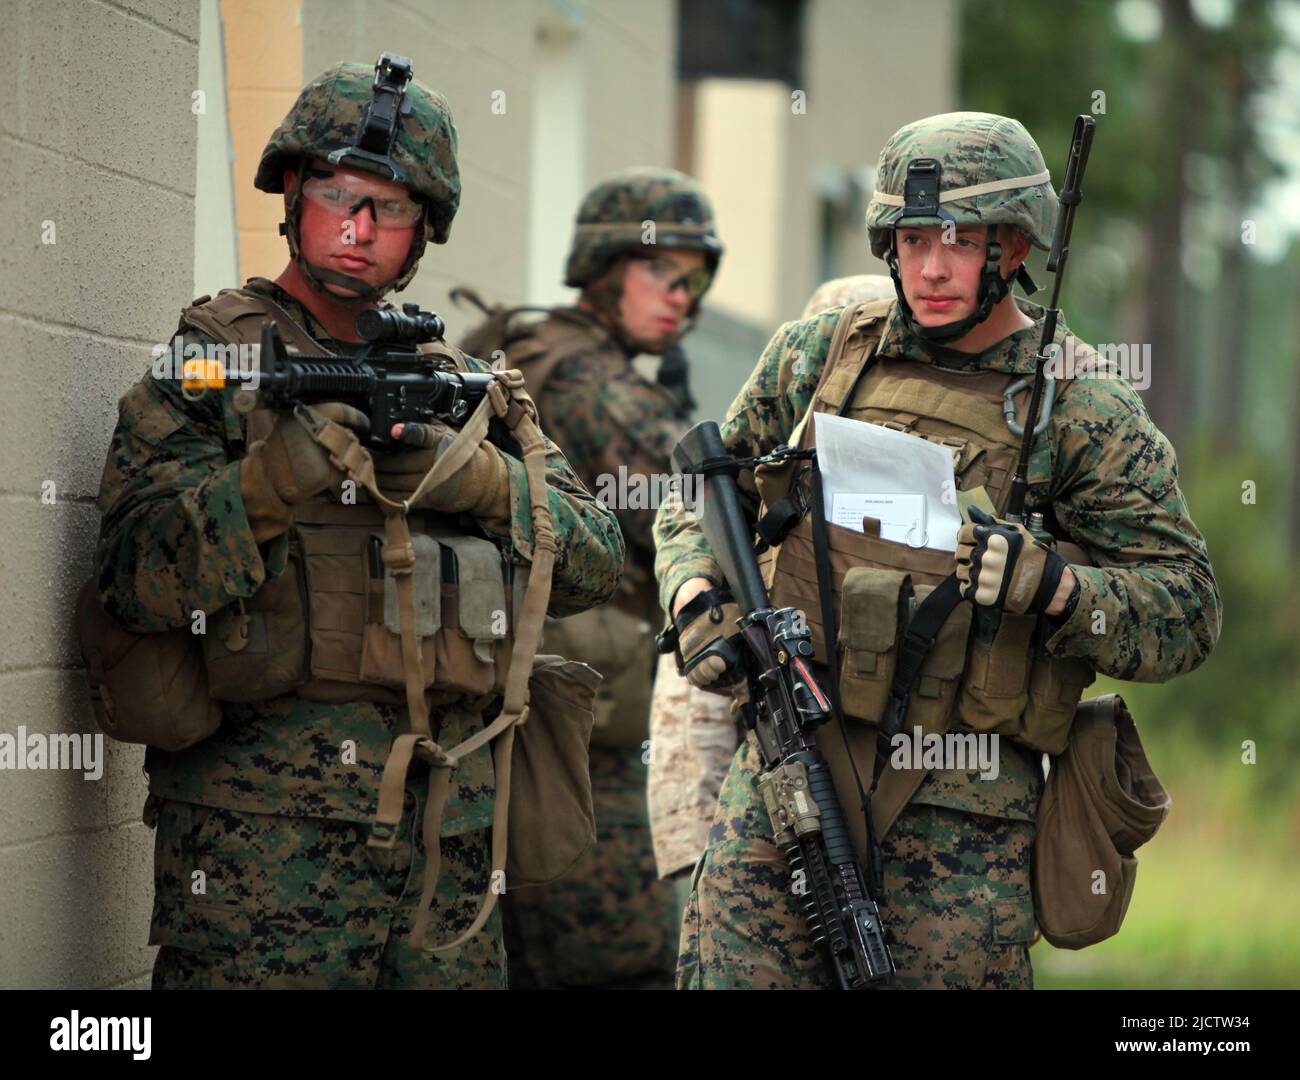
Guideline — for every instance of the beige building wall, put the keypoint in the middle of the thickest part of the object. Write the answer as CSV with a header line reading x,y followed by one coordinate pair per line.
x,y
769,154
264,72
493,60
96,256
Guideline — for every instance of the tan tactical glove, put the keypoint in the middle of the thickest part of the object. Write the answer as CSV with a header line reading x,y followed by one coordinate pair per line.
x,y
705,630
289,466
481,488
1002,566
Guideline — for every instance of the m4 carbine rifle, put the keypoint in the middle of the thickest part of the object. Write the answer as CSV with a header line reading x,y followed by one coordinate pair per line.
x,y
392,382
785,707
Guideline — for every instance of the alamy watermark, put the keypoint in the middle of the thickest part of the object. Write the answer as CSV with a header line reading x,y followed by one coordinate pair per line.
x,y
82,753
626,490
77,1032
955,750
1124,361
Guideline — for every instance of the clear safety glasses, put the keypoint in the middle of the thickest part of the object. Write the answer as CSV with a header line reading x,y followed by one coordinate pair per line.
x,y
340,197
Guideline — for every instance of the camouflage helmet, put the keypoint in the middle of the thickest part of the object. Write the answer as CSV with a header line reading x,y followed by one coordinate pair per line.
x,y
380,120
614,219
839,292
966,168
990,172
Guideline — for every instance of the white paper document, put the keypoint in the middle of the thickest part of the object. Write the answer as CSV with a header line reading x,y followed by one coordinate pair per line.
x,y
903,480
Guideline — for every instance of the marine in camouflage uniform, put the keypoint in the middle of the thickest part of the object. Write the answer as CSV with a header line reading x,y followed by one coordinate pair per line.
x,y
263,877
610,922
957,905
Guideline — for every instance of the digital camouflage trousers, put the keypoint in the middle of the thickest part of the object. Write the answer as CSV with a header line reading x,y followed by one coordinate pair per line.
x,y
245,900
957,905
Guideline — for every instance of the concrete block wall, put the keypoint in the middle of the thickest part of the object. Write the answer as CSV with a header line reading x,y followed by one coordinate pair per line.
x,y
97,134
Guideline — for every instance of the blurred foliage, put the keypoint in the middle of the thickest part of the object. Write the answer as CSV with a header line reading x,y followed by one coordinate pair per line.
x,y
1250,686
1215,898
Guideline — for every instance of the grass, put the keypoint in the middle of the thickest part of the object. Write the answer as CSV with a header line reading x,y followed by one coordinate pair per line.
x,y
1217,899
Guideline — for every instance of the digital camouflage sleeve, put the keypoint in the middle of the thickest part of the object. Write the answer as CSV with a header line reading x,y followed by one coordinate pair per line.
x,y
1114,489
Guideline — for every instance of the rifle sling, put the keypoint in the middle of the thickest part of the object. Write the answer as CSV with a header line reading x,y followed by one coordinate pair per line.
x,y
915,646
821,546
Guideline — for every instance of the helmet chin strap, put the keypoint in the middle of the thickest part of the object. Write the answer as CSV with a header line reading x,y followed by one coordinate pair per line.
x,y
993,290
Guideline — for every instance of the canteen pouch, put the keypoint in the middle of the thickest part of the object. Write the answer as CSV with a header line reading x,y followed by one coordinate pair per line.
x,y
1056,683
1014,687
551,822
995,691
873,608
256,649
620,646
1101,802
144,688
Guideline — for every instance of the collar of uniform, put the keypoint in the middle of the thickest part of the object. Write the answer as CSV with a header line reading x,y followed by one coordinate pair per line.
x,y
303,317
1014,354
602,333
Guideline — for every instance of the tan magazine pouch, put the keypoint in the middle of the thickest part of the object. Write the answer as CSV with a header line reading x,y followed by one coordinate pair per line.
x,y
1102,801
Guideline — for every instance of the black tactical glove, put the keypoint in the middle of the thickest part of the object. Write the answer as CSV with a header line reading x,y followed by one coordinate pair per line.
x,y
1002,566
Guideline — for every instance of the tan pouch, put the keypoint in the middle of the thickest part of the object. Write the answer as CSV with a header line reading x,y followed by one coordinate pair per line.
x,y
463,614
1056,683
995,692
620,646
381,642
144,688
1101,802
1015,689
552,823
790,571
935,692
472,650
256,649
873,608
